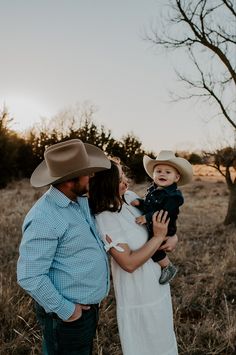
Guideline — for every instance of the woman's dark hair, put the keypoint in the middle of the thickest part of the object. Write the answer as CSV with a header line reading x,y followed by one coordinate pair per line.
x,y
104,190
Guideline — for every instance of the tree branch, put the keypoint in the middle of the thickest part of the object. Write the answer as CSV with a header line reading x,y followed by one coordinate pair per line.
x,y
230,6
203,39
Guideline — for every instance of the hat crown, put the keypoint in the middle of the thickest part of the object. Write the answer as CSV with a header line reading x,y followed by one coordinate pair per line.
x,y
67,160
166,155
65,157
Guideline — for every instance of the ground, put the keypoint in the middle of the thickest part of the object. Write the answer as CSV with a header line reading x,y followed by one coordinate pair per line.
x,y
203,292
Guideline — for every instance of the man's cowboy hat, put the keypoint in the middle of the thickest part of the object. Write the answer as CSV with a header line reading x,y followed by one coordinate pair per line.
x,y
168,157
67,160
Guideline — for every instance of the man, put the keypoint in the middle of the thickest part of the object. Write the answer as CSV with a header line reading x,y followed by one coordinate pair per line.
x,y
62,262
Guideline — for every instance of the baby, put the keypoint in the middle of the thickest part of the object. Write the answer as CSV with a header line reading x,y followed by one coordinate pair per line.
x,y
167,171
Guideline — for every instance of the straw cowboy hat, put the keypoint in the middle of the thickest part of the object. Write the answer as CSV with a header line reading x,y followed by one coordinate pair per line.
x,y
67,160
168,157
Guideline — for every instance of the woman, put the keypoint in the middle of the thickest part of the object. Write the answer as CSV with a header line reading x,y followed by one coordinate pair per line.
x,y
144,310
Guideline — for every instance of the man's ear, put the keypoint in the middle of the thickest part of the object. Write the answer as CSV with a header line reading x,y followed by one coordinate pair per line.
x,y
70,183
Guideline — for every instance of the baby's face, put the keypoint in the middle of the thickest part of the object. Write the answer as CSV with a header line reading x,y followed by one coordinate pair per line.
x,y
165,175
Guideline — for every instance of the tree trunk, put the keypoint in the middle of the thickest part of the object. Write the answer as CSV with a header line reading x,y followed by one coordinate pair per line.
x,y
231,213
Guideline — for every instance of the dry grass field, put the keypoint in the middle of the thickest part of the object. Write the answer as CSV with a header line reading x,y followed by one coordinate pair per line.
x,y
203,292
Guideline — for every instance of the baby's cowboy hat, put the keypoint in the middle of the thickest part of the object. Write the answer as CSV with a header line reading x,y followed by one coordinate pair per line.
x,y
67,160
168,157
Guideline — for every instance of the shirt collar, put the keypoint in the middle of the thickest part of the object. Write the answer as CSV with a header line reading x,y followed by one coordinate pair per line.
x,y
168,189
60,199
171,188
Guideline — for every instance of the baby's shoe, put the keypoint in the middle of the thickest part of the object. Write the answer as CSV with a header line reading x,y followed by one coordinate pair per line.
x,y
167,274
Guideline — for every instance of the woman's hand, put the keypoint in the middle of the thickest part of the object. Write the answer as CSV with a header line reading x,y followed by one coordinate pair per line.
x,y
130,260
160,224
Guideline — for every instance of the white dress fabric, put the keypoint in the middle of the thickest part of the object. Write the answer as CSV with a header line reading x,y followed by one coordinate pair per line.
x,y
144,308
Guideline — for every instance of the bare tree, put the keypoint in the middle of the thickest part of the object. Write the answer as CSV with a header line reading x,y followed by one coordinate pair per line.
x,y
224,160
206,31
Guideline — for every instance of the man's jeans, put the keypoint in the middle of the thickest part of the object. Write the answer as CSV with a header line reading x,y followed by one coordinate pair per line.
x,y
68,338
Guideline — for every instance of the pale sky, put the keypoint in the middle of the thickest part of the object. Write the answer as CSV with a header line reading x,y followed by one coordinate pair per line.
x,y
58,53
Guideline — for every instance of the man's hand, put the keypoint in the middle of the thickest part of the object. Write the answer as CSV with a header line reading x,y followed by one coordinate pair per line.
x,y
170,244
78,312
141,220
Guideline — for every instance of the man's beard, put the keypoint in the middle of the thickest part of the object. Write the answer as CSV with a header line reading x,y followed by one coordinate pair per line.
x,y
82,192
79,191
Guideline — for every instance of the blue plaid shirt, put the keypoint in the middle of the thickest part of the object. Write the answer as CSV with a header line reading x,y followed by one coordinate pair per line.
x,y
62,259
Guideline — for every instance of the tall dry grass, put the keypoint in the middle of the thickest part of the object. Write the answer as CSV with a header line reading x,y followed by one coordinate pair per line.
x,y
203,292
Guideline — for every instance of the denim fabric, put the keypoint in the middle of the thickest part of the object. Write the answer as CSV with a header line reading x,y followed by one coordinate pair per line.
x,y
68,338
168,199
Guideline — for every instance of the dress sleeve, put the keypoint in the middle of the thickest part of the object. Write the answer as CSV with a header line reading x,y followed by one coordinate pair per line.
x,y
130,196
110,223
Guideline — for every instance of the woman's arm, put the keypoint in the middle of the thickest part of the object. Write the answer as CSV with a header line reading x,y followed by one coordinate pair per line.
x,y
130,260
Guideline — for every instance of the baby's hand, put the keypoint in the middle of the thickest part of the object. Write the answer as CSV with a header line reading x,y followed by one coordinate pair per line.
x,y
135,203
141,220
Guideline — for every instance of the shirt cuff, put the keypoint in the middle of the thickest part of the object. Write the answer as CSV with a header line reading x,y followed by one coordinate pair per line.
x,y
66,310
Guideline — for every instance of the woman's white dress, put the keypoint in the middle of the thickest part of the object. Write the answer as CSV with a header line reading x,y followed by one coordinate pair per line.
x,y
144,308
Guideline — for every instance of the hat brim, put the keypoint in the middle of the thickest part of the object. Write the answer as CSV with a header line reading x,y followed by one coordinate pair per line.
x,y
180,164
97,162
